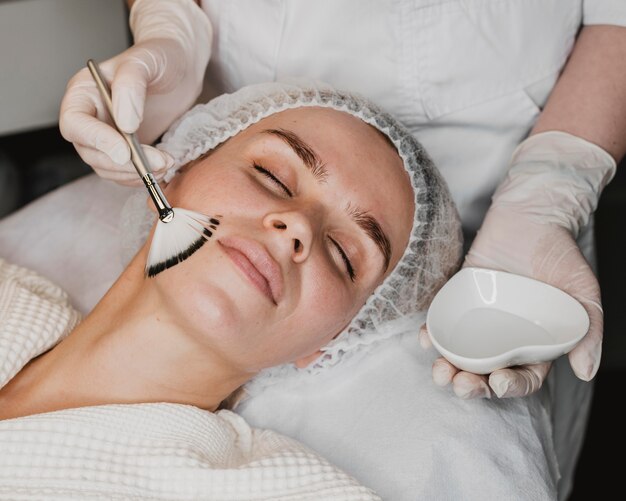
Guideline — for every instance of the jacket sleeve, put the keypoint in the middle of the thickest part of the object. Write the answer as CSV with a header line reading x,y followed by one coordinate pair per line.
x,y
604,12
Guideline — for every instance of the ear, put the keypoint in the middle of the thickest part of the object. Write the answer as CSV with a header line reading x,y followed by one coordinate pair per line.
x,y
303,362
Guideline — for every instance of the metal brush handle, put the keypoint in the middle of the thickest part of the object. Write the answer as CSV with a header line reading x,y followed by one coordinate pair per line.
x,y
137,156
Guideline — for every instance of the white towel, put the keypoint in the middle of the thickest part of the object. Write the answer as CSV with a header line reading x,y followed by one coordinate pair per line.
x,y
138,451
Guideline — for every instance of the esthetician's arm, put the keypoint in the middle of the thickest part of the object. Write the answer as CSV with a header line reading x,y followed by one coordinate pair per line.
x,y
552,187
589,100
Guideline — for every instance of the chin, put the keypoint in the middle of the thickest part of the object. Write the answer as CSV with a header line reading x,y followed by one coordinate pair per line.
x,y
195,303
210,309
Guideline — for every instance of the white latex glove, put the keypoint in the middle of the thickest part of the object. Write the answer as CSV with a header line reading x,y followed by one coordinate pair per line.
x,y
152,83
552,188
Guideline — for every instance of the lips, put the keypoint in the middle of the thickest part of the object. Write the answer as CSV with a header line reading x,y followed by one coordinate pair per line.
x,y
256,263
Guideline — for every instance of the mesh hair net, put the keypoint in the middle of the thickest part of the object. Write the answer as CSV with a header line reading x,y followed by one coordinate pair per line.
x,y
434,249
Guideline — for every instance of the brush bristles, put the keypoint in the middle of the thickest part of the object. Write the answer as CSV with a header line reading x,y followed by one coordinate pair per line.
x,y
175,241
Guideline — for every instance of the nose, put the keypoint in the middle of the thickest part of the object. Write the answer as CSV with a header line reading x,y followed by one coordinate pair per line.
x,y
295,231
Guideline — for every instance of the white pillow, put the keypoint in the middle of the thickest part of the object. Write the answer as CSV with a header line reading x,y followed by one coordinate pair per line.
x,y
377,416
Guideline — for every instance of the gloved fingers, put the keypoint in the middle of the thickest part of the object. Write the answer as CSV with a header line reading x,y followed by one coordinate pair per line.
x,y
125,174
585,357
79,124
443,372
151,67
464,384
103,165
158,162
129,87
519,381
467,385
424,338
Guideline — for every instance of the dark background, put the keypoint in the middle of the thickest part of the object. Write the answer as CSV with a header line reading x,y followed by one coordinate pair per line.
x,y
34,163
600,471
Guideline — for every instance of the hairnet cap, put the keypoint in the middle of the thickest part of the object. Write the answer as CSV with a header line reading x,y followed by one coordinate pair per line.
x,y
434,249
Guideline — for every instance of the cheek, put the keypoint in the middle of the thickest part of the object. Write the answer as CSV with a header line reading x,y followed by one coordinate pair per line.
x,y
325,307
194,294
218,189
329,300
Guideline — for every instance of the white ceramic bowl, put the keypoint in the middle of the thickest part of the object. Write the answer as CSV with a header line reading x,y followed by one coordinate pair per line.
x,y
482,320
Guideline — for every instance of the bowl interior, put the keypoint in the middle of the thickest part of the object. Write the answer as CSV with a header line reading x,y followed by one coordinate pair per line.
x,y
485,313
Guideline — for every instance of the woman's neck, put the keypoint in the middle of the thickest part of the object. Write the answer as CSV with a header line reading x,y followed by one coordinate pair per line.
x,y
125,351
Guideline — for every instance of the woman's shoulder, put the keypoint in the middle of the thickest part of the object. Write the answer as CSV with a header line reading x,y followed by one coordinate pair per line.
x,y
14,278
35,314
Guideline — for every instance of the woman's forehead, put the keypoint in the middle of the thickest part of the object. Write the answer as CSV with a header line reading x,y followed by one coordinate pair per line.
x,y
335,136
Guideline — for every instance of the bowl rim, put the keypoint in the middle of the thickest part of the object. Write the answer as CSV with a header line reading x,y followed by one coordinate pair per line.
x,y
493,359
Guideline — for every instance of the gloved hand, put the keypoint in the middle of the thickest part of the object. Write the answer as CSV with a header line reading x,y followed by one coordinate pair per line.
x,y
552,188
152,83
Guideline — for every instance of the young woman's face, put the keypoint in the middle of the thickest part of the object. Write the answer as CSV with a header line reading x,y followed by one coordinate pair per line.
x,y
316,210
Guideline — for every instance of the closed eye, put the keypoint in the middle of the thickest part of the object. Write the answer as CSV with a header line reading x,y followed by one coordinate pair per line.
x,y
349,268
275,180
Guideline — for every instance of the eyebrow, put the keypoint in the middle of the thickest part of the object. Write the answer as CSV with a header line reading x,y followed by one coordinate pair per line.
x,y
304,151
372,228
312,161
